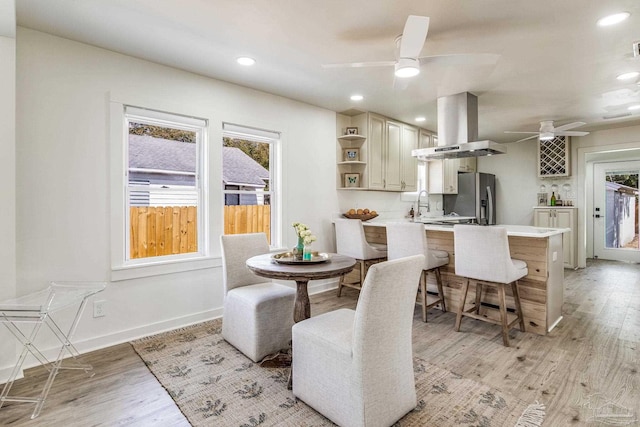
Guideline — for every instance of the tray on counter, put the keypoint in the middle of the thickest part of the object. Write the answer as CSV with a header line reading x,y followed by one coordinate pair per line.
x,y
289,258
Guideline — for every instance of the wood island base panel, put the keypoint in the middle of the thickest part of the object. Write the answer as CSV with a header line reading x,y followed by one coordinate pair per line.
x,y
541,291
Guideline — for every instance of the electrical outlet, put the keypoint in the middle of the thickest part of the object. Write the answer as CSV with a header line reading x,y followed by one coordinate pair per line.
x,y
99,308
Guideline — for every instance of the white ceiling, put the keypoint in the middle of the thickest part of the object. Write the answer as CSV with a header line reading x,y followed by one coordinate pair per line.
x,y
555,63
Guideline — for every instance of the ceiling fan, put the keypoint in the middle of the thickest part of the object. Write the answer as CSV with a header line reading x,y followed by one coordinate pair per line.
x,y
409,45
548,131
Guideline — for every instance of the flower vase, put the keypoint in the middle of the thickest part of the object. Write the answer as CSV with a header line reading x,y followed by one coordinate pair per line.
x,y
298,251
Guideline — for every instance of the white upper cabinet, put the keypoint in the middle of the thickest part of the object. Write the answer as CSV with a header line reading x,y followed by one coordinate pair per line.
x,y
409,164
384,154
377,147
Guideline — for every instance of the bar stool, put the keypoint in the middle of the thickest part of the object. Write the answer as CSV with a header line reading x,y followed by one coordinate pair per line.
x,y
482,255
350,241
407,238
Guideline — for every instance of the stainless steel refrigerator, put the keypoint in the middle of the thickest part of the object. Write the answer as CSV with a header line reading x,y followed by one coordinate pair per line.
x,y
476,197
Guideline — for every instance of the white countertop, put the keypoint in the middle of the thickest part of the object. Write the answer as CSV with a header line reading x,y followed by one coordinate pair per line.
x,y
512,230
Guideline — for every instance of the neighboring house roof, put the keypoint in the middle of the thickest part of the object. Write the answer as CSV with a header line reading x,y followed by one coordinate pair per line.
x,y
147,152
239,168
612,186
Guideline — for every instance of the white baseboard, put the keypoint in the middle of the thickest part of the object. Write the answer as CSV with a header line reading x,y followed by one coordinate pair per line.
x,y
92,344
120,337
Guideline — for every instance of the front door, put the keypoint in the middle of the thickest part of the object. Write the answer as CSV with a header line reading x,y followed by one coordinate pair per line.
x,y
615,211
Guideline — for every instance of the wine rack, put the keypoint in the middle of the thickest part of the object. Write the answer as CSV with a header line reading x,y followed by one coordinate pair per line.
x,y
553,157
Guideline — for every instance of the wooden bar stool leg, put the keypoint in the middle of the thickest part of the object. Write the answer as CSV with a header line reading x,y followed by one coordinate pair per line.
x,y
440,290
503,315
363,271
478,297
423,296
463,298
516,298
340,282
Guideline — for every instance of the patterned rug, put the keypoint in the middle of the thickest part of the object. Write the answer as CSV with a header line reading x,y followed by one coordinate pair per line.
x,y
214,384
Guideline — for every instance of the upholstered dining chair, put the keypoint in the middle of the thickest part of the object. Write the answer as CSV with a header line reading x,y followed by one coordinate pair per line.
x,y
258,314
356,367
482,255
351,241
410,238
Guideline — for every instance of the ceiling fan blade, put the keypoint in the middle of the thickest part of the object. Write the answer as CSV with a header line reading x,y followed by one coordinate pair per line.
x,y
524,139
572,133
530,133
461,59
569,126
413,36
360,64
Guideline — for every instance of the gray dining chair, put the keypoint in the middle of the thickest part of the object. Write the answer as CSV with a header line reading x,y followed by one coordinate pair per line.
x,y
356,366
258,313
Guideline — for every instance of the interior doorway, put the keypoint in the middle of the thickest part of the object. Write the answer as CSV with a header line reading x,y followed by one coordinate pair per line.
x,y
615,211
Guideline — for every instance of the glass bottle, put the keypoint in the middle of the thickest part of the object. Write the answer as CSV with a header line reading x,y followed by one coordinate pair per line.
x,y
553,198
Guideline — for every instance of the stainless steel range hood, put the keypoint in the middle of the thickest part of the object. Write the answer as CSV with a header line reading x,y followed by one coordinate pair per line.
x,y
458,131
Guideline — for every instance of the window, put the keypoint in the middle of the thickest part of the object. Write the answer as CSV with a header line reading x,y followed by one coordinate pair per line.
x,y
164,191
249,181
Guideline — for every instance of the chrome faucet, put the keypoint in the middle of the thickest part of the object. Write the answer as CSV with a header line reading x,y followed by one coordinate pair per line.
x,y
419,213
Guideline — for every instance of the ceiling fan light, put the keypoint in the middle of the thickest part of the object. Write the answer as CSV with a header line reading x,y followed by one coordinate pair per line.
x,y
405,72
546,136
613,19
407,67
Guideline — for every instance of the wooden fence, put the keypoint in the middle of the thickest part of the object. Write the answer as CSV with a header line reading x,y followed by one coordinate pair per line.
x,y
240,219
169,230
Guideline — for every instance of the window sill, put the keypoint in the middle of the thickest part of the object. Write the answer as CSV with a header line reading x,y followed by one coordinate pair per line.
x,y
164,267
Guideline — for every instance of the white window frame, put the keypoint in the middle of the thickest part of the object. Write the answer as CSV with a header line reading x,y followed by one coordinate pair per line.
x,y
272,138
122,267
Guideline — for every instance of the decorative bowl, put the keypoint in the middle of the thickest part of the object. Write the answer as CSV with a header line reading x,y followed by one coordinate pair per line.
x,y
362,217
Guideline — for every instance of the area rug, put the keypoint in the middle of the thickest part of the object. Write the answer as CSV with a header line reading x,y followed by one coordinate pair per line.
x,y
214,384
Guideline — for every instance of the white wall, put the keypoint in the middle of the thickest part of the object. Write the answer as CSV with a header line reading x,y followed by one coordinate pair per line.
x,y
7,173
63,177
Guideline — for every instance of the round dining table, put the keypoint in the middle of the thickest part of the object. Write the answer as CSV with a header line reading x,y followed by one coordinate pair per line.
x,y
266,266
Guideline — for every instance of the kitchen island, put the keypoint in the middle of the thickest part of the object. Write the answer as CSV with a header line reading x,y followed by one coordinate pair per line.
x,y
541,291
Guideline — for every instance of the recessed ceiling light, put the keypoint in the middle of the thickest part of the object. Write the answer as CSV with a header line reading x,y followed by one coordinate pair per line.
x,y
357,97
628,76
245,60
420,119
634,107
613,19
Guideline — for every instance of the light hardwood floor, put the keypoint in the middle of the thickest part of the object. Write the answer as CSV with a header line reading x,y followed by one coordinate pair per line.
x,y
589,360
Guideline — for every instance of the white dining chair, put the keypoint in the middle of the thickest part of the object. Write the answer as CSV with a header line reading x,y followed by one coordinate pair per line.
x,y
410,238
258,313
351,241
355,367
482,255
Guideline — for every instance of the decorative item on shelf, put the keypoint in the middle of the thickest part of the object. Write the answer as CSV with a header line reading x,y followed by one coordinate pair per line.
x,y
351,154
351,131
352,180
543,199
305,238
361,214
553,198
